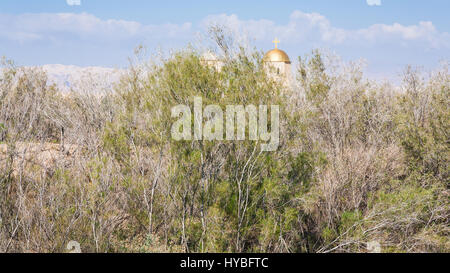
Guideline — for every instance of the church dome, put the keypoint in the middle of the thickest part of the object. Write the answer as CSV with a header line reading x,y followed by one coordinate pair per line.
x,y
277,55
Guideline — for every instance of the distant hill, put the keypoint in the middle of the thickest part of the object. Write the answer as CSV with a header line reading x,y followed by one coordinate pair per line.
x,y
92,78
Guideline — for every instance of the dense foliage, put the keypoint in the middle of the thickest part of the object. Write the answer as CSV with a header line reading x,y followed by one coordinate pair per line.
x,y
358,162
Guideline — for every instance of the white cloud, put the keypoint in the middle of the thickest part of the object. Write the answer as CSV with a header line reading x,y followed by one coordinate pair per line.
x,y
73,2
302,28
82,26
374,2
316,29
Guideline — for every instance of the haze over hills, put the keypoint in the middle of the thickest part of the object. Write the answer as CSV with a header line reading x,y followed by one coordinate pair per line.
x,y
70,76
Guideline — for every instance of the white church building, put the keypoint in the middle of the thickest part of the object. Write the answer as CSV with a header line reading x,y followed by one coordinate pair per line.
x,y
276,61
278,64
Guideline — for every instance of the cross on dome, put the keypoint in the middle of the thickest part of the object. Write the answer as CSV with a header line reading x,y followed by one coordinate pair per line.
x,y
276,42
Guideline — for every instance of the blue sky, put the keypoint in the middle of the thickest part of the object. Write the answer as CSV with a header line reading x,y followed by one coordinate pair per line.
x,y
389,34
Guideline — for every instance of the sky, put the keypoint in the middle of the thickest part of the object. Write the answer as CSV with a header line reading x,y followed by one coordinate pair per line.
x,y
388,34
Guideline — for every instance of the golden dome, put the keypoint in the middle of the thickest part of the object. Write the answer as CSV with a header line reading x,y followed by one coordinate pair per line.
x,y
277,55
